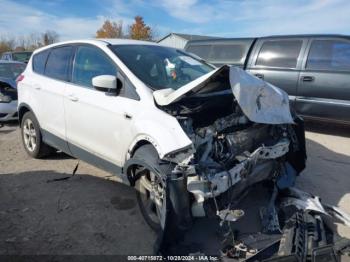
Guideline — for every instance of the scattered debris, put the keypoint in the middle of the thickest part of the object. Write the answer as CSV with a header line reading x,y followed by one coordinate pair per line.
x,y
66,177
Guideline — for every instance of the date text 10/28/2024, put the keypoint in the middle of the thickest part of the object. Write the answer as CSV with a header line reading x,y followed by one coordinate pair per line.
x,y
174,258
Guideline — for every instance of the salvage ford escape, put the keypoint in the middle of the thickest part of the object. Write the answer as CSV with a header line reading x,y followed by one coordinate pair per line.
x,y
188,136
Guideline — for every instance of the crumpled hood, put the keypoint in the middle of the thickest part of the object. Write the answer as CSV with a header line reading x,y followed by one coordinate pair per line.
x,y
260,101
9,81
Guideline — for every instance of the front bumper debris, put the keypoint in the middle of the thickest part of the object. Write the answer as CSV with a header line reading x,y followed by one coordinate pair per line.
x,y
306,230
253,168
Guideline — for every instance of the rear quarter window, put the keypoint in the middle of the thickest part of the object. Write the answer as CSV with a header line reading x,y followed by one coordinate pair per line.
x,y
227,53
331,55
39,61
279,53
57,64
200,50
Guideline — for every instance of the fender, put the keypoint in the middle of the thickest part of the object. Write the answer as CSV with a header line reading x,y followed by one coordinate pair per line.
x,y
20,108
166,135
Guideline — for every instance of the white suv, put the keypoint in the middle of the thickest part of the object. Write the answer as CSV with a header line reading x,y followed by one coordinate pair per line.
x,y
181,131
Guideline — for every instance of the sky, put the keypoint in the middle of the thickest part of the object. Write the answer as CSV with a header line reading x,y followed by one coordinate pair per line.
x,y
76,19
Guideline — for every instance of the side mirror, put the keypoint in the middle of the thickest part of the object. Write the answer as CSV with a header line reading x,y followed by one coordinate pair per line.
x,y
106,83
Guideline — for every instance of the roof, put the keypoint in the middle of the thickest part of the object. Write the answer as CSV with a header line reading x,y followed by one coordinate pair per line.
x,y
189,37
251,39
120,41
99,42
305,35
11,62
220,40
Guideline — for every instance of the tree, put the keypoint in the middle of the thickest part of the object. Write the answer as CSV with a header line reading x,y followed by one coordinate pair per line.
x,y
6,44
139,30
110,30
49,37
33,41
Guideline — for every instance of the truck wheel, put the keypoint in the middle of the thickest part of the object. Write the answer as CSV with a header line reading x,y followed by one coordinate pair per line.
x,y
151,191
31,137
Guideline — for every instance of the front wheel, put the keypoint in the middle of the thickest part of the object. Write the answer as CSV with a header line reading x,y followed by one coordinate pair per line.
x,y
162,197
151,197
151,191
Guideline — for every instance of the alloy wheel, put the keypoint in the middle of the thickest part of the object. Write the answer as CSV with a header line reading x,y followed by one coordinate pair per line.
x,y
152,192
29,135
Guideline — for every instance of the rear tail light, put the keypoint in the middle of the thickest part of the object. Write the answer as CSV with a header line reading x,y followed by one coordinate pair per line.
x,y
19,79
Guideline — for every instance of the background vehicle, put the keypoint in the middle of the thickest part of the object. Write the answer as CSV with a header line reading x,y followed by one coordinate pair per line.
x,y
17,56
8,91
313,69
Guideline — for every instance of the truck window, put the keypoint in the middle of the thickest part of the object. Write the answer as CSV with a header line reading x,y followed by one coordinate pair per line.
x,y
200,50
279,53
232,53
329,55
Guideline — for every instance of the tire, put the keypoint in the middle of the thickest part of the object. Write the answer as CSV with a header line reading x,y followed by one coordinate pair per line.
x,y
149,155
32,138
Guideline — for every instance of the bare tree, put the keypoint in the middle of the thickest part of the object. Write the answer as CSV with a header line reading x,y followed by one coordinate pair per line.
x,y
33,41
49,37
27,42
6,44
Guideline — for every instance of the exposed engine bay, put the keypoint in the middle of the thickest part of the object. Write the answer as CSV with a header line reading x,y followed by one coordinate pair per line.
x,y
237,145
228,146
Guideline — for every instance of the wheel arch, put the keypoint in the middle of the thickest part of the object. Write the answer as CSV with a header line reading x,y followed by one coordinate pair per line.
x,y
22,109
131,162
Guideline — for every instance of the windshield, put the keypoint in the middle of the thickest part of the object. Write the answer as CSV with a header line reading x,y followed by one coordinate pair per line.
x,y
21,56
161,67
11,70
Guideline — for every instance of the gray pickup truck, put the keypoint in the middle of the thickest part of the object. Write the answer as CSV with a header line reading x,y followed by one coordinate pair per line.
x,y
313,69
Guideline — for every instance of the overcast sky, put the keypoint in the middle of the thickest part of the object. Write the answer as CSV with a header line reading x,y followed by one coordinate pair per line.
x,y
227,18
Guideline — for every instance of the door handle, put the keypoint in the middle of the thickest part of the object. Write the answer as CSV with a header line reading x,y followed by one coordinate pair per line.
x,y
127,116
37,87
73,98
261,76
307,78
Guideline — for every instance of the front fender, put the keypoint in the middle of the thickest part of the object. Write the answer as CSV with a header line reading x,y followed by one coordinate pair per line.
x,y
166,135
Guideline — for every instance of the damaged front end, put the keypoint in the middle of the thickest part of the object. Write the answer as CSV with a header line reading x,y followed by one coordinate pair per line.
x,y
242,133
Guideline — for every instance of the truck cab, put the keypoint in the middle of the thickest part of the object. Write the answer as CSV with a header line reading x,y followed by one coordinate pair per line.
x,y
313,69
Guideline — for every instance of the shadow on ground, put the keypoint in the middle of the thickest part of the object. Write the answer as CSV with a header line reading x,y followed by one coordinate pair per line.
x,y
91,215
326,175
82,215
327,128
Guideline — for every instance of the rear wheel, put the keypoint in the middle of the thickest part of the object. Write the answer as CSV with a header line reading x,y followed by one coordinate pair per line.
x,y
31,137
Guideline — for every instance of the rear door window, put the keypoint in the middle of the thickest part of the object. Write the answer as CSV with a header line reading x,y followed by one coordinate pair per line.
x,y
228,53
279,53
57,65
90,62
39,61
333,55
200,50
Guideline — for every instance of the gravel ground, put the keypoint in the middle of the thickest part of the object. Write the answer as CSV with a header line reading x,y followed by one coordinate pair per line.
x,y
92,213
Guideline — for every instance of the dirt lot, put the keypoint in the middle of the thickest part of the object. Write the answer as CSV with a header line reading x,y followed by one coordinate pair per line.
x,y
93,214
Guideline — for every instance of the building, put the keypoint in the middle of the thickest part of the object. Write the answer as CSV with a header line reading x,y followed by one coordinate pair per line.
x,y
180,40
